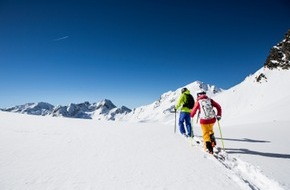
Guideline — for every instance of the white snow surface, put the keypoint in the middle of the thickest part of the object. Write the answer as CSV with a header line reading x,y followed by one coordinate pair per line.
x,y
42,152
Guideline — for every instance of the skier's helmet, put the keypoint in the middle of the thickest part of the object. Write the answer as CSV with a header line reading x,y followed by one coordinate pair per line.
x,y
183,90
200,92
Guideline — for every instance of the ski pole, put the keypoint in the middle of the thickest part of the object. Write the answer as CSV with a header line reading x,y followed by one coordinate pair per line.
x,y
192,135
192,132
175,122
221,134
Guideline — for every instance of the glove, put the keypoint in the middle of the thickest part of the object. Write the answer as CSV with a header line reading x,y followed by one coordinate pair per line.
x,y
218,117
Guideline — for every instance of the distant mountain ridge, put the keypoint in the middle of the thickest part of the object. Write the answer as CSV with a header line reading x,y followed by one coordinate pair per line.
x,y
106,110
40,108
102,110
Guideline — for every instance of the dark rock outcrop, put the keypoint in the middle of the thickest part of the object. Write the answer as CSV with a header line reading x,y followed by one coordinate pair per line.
x,y
279,57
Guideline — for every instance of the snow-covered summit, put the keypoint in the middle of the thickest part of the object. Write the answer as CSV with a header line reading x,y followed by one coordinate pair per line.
x,y
40,108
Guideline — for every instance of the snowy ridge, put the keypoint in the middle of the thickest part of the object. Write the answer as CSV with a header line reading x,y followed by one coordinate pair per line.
x,y
240,103
103,110
258,97
161,110
40,108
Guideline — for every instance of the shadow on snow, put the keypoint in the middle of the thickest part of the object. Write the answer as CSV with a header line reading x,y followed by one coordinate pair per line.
x,y
247,151
252,152
245,140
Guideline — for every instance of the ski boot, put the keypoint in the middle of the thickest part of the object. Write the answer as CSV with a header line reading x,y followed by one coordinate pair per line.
x,y
209,147
213,141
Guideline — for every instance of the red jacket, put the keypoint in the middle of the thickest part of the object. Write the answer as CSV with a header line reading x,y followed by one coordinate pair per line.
x,y
197,107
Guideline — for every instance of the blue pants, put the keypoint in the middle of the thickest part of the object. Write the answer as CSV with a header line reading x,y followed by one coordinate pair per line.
x,y
184,118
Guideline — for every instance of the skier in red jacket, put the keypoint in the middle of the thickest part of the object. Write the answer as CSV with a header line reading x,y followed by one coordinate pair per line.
x,y
207,117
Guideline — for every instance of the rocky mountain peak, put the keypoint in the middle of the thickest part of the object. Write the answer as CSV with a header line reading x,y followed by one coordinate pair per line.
x,y
279,56
105,104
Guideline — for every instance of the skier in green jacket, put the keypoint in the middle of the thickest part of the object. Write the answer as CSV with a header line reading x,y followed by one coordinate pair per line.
x,y
184,112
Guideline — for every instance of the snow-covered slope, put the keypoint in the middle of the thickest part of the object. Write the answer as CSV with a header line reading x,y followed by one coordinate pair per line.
x,y
253,101
61,153
161,110
256,99
68,154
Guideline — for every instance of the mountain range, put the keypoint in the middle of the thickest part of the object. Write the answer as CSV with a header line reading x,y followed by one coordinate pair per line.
x,y
277,60
106,110
103,110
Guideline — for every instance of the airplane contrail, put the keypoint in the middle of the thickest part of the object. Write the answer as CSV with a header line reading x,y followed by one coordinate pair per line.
x,y
62,38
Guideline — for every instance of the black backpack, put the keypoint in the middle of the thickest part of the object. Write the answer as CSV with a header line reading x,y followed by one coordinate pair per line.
x,y
189,101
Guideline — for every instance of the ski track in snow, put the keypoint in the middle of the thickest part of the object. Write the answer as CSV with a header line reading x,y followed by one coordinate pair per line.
x,y
244,172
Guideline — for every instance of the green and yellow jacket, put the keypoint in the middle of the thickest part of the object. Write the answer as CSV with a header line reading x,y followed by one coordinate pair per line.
x,y
181,101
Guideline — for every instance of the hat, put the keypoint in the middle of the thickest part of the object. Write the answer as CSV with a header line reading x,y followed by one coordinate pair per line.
x,y
183,90
200,92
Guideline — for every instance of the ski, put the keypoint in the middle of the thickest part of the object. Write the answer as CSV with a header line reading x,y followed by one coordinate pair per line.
x,y
219,154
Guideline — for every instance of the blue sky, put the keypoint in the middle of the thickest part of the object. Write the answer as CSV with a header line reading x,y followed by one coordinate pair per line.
x,y
131,51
